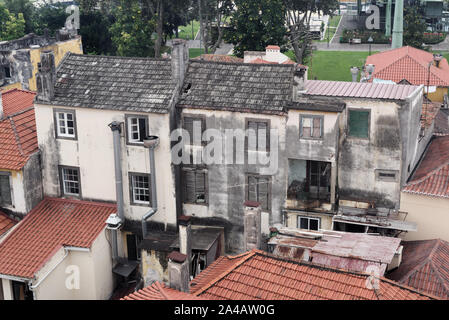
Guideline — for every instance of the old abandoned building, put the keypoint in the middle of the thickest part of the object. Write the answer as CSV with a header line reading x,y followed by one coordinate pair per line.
x,y
19,59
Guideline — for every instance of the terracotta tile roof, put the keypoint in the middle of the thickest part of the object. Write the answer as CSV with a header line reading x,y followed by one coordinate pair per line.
x,y
159,291
431,178
358,90
219,58
262,61
429,113
442,123
53,223
6,223
257,275
424,266
410,64
17,100
18,130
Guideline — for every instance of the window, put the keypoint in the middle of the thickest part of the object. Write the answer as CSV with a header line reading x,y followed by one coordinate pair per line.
x,y
258,135
308,223
359,123
195,185
21,291
65,124
5,189
311,127
194,124
140,188
137,129
70,181
132,243
259,190
386,175
7,72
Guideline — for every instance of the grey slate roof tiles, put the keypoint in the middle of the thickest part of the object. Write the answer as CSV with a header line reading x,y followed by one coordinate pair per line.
x,y
115,83
237,87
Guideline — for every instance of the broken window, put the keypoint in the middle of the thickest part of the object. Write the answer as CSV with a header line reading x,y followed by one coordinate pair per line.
x,y
311,127
5,189
137,129
309,180
65,124
140,188
195,185
308,223
70,180
358,123
194,124
259,190
258,135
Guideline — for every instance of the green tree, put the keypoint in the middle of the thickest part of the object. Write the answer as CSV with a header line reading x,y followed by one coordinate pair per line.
x,y
414,27
26,8
51,16
256,24
131,31
11,26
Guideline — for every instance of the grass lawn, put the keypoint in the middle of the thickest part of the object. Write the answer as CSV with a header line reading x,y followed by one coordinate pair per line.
x,y
186,31
331,29
195,52
335,65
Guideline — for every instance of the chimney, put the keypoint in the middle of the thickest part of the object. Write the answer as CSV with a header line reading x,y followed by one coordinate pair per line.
x,y
252,225
354,73
1,106
299,81
272,53
179,59
436,59
45,78
178,271
185,238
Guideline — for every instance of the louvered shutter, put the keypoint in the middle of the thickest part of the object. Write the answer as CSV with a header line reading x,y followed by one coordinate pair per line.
x,y
200,187
263,193
188,126
189,185
252,135
317,127
262,136
5,190
358,123
252,188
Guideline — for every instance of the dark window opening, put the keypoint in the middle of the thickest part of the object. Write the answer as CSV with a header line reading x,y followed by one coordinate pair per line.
x,y
359,123
21,291
137,128
7,72
5,190
132,243
348,227
308,223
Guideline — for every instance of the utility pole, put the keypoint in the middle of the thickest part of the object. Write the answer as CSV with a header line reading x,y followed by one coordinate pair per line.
x,y
398,29
388,19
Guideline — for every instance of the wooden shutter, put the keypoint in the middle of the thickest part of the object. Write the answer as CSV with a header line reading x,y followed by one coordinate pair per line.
x,y
252,188
200,187
316,127
252,136
263,193
5,190
189,186
142,128
188,126
359,123
262,133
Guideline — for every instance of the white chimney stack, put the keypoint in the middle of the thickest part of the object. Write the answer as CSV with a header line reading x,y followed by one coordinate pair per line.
x,y
178,271
185,238
1,106
272,53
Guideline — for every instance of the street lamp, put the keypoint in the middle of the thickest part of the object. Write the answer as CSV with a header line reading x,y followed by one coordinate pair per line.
x,y
370,40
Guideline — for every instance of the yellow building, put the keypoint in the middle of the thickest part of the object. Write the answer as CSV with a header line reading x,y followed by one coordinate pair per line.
x,y
19,58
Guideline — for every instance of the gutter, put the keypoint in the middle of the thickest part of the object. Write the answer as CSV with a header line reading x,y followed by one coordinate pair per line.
x,y
50,271
151,143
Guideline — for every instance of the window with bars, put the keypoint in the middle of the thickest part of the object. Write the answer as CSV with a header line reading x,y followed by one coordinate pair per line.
x,y
308,223
358,123
194,124
311,127
137,129
259,190
258,135
70,181
195,185
5,190
65,124
140,188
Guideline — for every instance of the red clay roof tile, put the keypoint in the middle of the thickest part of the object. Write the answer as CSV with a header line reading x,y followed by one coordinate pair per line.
x,y
6,223
53,223
17,100
159,291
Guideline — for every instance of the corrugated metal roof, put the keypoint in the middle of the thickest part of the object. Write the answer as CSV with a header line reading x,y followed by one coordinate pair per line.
x,y
358,90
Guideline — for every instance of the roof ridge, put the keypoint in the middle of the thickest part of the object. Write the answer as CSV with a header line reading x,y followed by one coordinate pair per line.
x,y
211,283
161,290
116,57
428,175
16,136
240,63
89,202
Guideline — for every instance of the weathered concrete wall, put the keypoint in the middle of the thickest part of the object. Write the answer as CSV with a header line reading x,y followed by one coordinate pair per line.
x,y
359,158
227,181
32,181
92,152
154,266
20,65
18,193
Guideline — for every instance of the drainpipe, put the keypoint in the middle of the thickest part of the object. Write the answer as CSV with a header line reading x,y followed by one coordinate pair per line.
x,y
116,130
151,143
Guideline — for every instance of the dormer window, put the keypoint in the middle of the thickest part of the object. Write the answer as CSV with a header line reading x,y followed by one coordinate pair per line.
x,y
137,129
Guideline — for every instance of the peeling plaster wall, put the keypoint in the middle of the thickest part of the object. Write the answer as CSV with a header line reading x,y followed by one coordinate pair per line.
x,y
154,266
92,152
32,181
227,182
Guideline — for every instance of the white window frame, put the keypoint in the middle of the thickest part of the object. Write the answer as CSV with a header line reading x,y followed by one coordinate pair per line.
x,y
63,181
130,126
298,222
134,187
65,126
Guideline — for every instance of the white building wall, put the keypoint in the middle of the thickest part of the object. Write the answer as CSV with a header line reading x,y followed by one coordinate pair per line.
x,y
17,192
93,153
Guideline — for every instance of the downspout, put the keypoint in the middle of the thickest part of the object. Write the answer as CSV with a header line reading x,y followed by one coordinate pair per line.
x,y
151,143
116,130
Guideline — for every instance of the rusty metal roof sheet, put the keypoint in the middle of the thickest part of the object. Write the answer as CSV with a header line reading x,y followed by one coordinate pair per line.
x,y
359,90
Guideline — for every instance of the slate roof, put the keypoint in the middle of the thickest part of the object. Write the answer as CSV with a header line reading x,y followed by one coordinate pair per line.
x,y
410,64
237,87
431,177
6,223
114,83
311,105
257,275
159,291
424,266
358,90
52,224
18,130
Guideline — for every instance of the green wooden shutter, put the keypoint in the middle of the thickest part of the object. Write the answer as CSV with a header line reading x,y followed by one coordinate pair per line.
x,y
358,123
5,190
